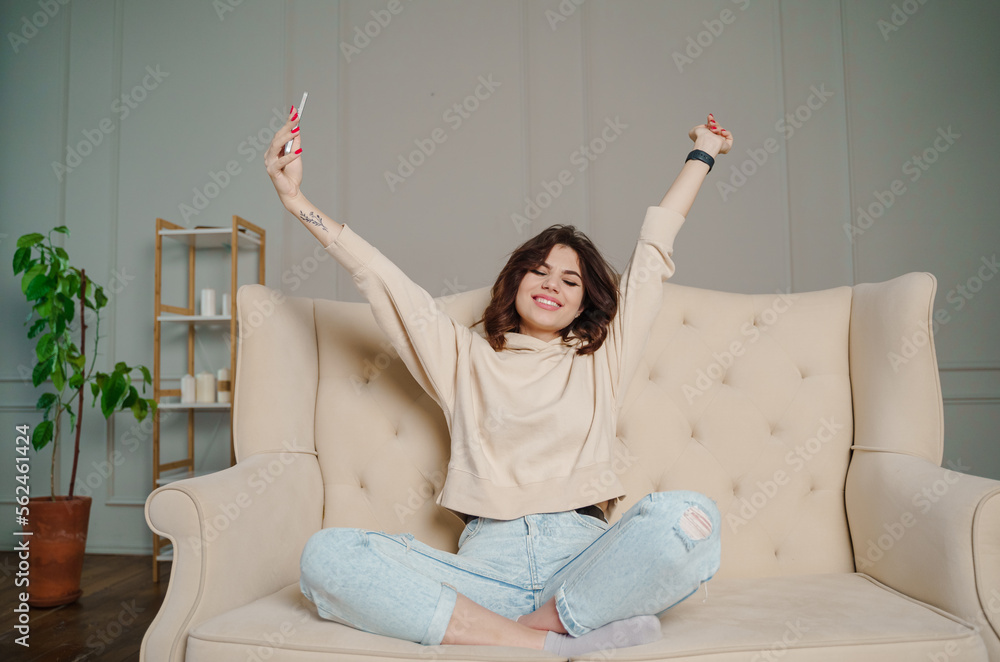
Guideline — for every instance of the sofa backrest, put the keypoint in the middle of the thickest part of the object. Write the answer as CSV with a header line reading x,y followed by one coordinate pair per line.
x,y
746,398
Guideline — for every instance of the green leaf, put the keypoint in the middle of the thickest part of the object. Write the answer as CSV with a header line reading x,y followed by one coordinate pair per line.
x,y
68,307
42,371
46,400
76,380
39,286
140,409
46,346
42,435
130,399
29,276
95,389
146,377
29,239
73,284
101,299
61,252
58,378
77,360
36,328
113,393
63,229
22,258
121,366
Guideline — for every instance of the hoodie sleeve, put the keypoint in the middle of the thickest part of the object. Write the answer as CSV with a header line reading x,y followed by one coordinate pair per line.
x,y
641,297
427,339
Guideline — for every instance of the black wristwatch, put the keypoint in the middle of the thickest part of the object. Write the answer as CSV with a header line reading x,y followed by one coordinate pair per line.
x,y
701,155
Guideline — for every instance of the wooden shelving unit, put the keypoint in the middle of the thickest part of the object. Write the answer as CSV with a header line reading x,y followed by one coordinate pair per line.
x,y
243,235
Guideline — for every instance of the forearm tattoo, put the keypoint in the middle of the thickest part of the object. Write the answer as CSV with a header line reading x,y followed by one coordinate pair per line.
x,y
312,218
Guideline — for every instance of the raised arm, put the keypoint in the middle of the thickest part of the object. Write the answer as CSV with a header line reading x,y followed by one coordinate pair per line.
x,y
651,263
427,340
710,138
285,171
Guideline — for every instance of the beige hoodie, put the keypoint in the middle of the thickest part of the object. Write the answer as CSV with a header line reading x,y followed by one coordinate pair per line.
x,y
533,427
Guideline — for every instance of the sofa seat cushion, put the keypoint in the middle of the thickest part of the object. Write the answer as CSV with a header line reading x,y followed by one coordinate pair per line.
x,y
803,618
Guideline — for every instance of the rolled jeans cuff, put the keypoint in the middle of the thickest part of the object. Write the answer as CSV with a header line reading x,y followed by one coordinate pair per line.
x,y
573,626
442,615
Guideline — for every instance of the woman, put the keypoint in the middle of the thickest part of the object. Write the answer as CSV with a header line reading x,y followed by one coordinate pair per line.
x,y
531,407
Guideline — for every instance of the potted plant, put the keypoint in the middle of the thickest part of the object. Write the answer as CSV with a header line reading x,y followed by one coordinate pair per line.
x,y
58,524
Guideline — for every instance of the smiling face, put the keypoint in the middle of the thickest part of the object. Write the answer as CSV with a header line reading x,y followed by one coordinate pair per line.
x,y
550,296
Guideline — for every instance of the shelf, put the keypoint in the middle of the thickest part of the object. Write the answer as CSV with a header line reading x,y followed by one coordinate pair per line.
x,y
211,237
195,405
238,239
174,317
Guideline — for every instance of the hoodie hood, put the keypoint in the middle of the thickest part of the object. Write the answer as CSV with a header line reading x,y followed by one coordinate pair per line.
x,y
520,342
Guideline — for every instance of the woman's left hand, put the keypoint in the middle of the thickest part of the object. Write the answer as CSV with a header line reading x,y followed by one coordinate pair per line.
x,y
711,138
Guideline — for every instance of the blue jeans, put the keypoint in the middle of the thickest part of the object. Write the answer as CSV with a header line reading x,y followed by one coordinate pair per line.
x,y
656,555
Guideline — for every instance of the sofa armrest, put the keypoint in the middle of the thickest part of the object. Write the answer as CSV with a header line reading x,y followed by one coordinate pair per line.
x,y
237,536
929,532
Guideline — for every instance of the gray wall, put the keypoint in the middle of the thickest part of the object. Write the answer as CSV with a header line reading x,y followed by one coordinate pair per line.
x,y
845,93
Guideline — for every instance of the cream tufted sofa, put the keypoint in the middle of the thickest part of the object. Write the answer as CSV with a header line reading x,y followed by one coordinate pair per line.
x,y
814,420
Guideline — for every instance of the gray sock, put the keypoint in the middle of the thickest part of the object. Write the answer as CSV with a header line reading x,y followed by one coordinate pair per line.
x,y
632,631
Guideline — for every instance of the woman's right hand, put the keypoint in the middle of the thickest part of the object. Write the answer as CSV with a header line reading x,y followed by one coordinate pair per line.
x,y
285,170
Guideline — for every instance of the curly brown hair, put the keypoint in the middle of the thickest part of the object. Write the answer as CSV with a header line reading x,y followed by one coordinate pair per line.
x,y
600,289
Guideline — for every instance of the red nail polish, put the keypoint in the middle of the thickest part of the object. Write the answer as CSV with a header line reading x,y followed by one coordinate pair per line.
x,y
298,151
295,130
291,109
293,118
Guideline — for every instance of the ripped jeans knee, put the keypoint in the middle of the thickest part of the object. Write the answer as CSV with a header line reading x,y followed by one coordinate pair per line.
x,y
695,523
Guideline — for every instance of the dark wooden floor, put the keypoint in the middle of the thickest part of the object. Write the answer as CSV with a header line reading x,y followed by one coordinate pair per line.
x,y
107,623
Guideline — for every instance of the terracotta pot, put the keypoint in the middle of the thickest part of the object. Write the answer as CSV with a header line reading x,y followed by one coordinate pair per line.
x,y
56,546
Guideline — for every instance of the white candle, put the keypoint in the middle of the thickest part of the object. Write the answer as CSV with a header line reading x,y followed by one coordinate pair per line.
x,y
187,388
208,301
205,389
225,390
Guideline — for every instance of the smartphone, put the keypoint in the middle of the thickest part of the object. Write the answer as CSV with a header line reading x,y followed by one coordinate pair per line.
x,y
301,106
